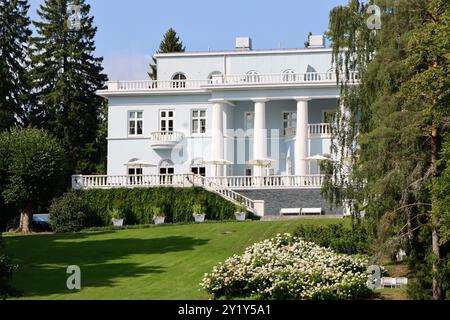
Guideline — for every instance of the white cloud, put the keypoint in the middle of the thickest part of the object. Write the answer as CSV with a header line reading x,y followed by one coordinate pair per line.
x,y
127,65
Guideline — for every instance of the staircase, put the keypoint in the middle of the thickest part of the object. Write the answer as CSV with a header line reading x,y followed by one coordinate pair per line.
x,y
254,206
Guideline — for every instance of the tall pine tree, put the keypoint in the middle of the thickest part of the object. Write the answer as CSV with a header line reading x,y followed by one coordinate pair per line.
x,y
14,37
66,75
170,43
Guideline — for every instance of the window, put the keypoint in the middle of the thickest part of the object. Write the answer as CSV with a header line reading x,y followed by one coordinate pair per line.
x,y
199,121
135,123
249,120
289,75
214,74
252,76
135,175
135,171
289,122
329,116
166,120
166,171
199,170
179,80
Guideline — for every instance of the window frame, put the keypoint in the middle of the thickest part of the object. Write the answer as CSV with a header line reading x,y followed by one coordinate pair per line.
x,y
135,120
246,128
179,83
283,121
199,118
167,118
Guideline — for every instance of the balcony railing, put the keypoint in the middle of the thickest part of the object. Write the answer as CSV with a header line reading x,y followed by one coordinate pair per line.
x,y
315,130
165,139
188,180
229,80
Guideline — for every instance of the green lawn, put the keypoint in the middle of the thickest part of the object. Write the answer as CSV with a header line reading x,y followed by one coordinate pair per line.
x,y
165,262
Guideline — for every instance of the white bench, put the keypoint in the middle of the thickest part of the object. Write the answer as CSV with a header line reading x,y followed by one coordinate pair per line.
x,y
289,211
388,282
401,282
311,211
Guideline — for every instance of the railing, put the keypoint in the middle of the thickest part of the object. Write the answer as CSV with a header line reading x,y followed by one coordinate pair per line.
x,y
232,80
166,136
81,182
224,191
322,130
270,182
145,85
283,78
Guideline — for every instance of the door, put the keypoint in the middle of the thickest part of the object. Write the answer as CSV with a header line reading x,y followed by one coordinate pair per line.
x,y
135,175
166,172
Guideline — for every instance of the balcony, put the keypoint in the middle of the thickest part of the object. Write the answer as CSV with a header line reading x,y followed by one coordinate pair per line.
x,y
165,139
315,130
246,80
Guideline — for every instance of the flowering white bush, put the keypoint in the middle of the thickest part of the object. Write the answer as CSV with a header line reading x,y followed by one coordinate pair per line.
x,y
288,267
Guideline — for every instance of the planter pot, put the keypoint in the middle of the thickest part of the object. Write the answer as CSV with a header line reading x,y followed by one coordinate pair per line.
x,y
117,222
240,216
159,220
199,217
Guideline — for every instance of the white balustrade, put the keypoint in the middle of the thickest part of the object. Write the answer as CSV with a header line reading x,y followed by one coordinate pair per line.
x,y
167,136
233,80
322,130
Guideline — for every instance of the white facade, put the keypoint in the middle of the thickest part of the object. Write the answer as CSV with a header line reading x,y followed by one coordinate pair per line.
x,y
212,113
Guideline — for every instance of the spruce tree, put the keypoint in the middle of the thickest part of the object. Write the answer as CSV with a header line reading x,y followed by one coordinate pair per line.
x,y
66,75
14,36
170,43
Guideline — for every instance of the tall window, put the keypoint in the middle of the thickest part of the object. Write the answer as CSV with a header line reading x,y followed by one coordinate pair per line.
x,y
166,120
135,123
179,80
198,121
249,121
289,122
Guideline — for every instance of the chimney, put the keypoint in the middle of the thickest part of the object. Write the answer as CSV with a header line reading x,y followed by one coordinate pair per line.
x,y
244,43
316,41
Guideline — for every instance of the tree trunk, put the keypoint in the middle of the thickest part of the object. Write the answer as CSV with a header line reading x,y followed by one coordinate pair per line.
x,y
26,217
437,289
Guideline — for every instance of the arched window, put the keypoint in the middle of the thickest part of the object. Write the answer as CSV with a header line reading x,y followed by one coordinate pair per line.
x,y
179,80
215,77
252,76
214,74
289,75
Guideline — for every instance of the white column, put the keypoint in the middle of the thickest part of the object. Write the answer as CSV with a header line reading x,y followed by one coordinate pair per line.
x,y
217,137
260,135
301,139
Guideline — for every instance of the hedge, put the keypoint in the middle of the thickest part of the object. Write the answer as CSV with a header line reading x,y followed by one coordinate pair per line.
x,y
135,204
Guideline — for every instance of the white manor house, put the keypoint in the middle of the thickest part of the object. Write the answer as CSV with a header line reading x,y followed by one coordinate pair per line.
x,y
247,124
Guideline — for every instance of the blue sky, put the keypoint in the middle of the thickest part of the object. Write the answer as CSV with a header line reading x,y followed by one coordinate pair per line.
x,y
129,31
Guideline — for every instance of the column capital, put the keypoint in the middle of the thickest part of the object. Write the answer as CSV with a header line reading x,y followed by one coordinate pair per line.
x,y
222,101
260,99
305,99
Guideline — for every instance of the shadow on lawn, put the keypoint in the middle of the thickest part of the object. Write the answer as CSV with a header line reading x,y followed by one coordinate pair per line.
x,y
43,260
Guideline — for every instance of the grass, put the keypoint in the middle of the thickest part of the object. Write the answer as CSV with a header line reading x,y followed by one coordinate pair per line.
x,y
146,264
